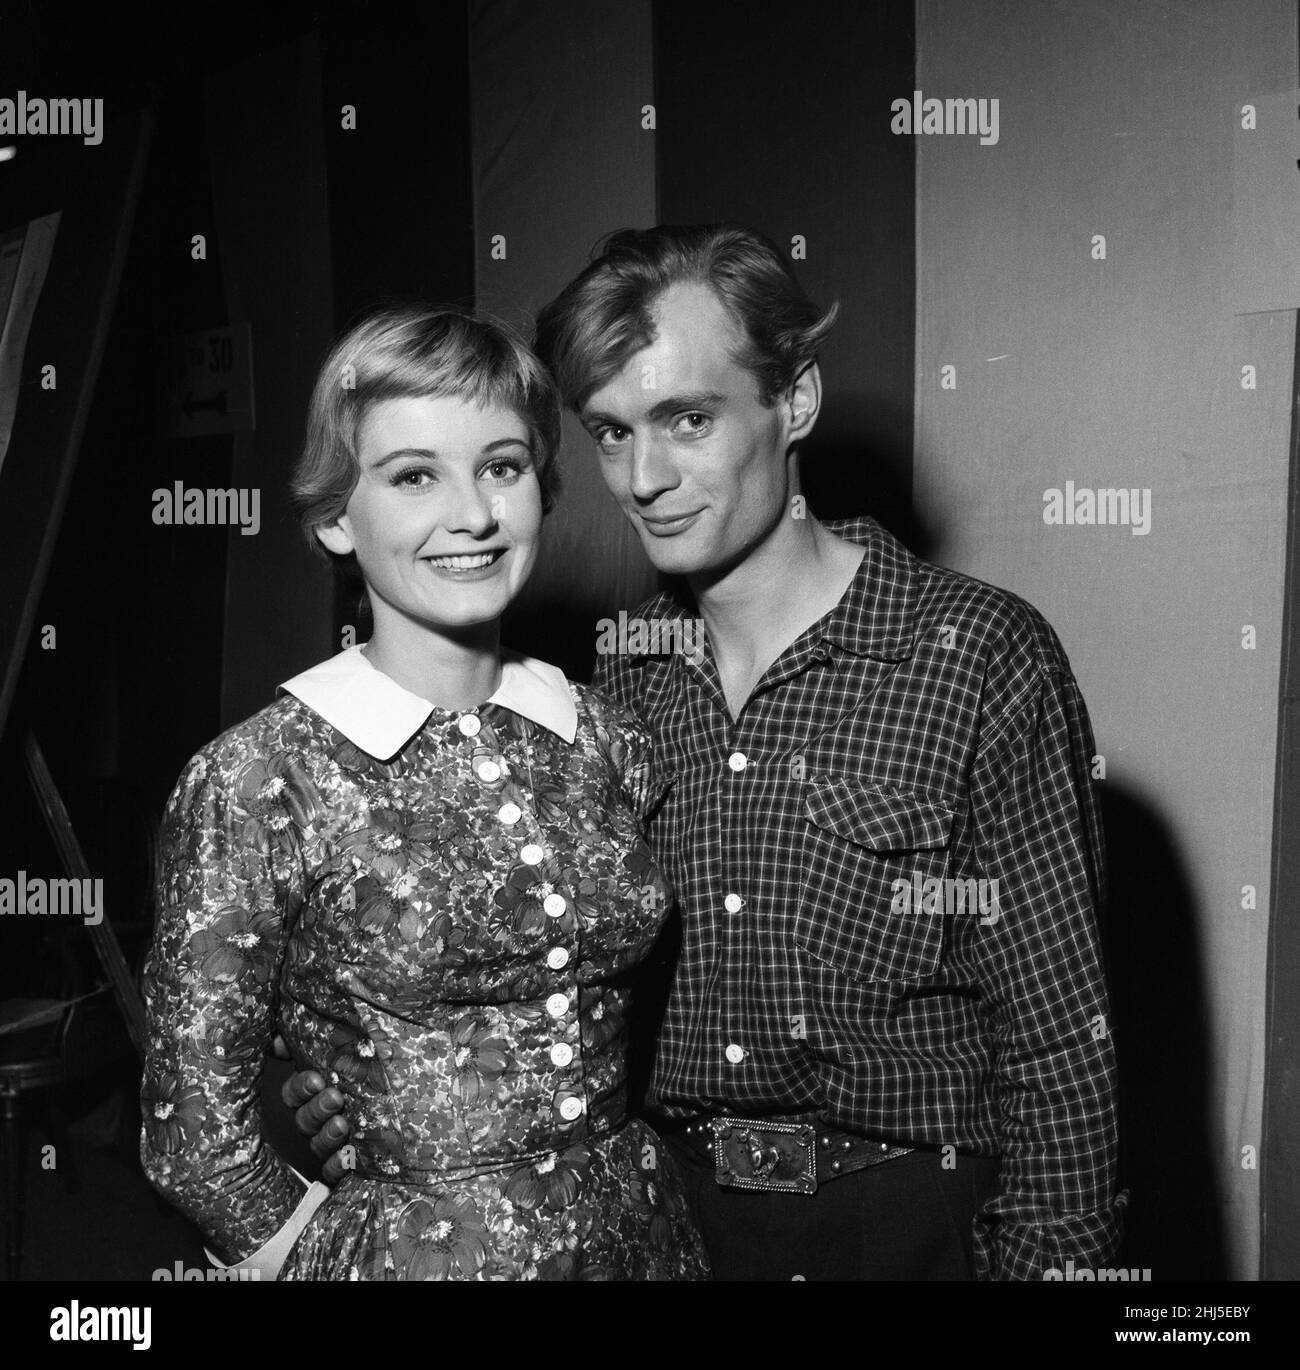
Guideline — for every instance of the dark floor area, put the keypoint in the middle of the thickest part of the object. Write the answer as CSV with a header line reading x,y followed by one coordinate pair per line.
x,y
114,1227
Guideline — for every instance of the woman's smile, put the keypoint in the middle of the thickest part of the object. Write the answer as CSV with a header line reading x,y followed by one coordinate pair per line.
x,y
463,566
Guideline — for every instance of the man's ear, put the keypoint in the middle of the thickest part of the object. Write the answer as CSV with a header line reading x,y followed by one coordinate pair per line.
x,y
803,402
336,537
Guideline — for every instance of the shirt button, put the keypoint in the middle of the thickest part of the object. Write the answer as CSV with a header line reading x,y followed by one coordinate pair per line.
x,y
531,855
553,905
733,903
509,813
557,958
488,771
557,1005
738,761
735,1054
561,1053
571,1108
469,724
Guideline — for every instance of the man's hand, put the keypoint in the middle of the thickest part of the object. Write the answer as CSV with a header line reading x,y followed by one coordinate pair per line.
x,y
317,1114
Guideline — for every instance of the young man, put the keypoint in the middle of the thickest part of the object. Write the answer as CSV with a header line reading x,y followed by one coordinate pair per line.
x,y
886,1051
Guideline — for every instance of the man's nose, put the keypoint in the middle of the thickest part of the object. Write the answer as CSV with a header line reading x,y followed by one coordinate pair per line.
x,y
653,470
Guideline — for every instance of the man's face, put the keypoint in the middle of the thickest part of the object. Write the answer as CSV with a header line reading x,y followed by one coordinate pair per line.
x,y
697,463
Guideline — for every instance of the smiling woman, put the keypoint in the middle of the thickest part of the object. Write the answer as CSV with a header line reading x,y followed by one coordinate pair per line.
x,y
417,351
444,520
425,867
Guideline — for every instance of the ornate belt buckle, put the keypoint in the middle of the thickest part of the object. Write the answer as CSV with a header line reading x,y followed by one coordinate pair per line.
x,y
749,1153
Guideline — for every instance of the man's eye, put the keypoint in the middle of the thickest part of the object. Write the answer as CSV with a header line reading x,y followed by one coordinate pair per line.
x,y
693,422
611,435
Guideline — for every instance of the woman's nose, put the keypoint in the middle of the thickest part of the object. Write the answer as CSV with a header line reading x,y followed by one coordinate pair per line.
x,y
473,509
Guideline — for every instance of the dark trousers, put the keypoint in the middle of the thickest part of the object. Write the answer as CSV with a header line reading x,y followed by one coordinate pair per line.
x,y
906,1219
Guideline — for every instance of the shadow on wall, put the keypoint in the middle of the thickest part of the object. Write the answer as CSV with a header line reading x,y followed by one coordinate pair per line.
x,y
846,474
559,631
1155,964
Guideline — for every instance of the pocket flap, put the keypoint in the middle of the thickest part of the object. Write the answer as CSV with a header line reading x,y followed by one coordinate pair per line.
x,y
879,819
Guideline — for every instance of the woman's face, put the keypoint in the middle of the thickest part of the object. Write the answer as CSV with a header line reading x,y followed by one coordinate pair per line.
x,y
446,515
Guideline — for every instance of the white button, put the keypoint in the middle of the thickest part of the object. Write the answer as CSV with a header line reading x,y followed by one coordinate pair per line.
x,y
561,1053
557,1005
509,813
571,1108
557,958
469,724
531,855
735,1054
489,771
733,903
738,761
553,905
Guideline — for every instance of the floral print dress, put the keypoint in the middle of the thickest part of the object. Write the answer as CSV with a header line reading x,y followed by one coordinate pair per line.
x,y
446,936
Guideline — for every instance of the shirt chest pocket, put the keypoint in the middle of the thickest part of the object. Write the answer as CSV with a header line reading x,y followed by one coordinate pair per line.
x,y
866,851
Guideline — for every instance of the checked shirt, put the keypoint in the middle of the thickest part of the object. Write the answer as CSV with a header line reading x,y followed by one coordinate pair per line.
x,y
927,729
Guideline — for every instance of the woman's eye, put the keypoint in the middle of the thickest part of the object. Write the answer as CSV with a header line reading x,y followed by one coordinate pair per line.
x,y
412,476
504,470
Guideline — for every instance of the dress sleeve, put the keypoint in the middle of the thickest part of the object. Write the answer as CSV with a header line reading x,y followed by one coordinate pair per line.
x,y
230,885
1038,832
642,781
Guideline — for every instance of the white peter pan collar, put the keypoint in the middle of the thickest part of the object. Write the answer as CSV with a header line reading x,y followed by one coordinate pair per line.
x,y
379,716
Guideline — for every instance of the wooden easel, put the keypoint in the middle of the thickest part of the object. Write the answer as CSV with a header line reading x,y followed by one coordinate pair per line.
x,y
96,190
102,936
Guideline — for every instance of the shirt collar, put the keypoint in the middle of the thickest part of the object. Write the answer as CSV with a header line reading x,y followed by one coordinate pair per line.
x,y
373,711
875,616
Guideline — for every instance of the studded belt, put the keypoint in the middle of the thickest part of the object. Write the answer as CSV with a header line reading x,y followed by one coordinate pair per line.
x,y
782,1157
